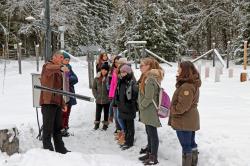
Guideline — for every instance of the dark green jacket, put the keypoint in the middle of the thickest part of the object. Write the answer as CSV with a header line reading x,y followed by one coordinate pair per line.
x,y
100,90
148,112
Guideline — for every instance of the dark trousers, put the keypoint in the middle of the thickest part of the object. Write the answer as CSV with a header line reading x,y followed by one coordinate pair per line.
x,y
129,131
99,108
153,140
52,124
187,140
65,117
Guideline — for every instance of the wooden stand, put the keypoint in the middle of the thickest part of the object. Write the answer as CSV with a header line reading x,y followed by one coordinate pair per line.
x,y
243,75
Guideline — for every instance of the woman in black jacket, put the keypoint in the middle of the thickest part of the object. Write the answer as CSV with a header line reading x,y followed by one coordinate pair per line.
x,y
126,97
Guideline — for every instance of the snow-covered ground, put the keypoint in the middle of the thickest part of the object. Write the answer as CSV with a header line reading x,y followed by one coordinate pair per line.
x,y
224,138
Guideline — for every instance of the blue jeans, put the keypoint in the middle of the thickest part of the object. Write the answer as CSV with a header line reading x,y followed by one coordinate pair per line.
x,y
111,112
187,140
120,121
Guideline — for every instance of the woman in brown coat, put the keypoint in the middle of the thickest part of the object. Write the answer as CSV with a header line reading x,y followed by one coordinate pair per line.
x,y
184,115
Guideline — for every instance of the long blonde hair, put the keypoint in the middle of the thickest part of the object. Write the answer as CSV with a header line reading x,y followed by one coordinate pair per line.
x,y
153,64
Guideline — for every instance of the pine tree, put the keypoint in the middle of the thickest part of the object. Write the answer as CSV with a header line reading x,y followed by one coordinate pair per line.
x,y
159,27
244,33
247,29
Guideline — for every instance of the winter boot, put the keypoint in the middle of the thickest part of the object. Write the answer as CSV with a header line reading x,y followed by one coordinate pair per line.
x,y
96,125
105,125
118,135
144,150
125,147
116,132
152,160
144,157
195,157
121,139
65,133
187,159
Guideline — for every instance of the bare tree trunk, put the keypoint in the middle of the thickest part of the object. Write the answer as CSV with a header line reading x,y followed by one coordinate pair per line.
x,y
209,38
224,38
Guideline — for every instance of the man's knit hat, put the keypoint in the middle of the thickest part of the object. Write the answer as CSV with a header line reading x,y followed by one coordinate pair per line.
x,y
66,55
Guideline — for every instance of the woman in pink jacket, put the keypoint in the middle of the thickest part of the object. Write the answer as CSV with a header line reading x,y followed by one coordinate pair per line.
x,y
113,111
112,90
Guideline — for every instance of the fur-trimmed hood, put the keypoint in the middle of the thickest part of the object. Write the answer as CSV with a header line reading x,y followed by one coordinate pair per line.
x,y
157,74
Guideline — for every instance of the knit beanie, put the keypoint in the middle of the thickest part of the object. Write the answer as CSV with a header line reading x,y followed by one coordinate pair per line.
x,y
66,55
123,61
105,66
126,69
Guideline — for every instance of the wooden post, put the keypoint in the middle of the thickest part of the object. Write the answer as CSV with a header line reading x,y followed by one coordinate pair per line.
x,y
37,57
19,55
213,55
90,59
228,54
243,76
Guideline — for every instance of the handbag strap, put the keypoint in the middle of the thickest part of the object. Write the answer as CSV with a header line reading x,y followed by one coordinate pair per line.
x,y
160,98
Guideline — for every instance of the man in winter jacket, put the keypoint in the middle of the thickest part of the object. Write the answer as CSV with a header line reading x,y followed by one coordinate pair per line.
x,y
52,104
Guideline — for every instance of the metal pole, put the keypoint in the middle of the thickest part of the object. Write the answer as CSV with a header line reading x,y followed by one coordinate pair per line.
x,y
228,54
61,92
48,32
37,57
19,54
213,55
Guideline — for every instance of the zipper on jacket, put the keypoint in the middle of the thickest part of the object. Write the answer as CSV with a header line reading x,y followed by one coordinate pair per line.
x,y
102,91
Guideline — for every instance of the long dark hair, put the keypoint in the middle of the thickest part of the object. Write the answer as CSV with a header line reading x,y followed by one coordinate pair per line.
x,y
101,76
113,64
100,59
188,74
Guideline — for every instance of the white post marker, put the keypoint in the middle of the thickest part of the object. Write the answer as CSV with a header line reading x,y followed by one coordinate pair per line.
x,y
217,74
221,70
231,73
61,29
199,66
207,71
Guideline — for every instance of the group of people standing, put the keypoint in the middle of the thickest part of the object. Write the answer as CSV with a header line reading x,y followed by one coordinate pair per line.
x,y
117,91
121,96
